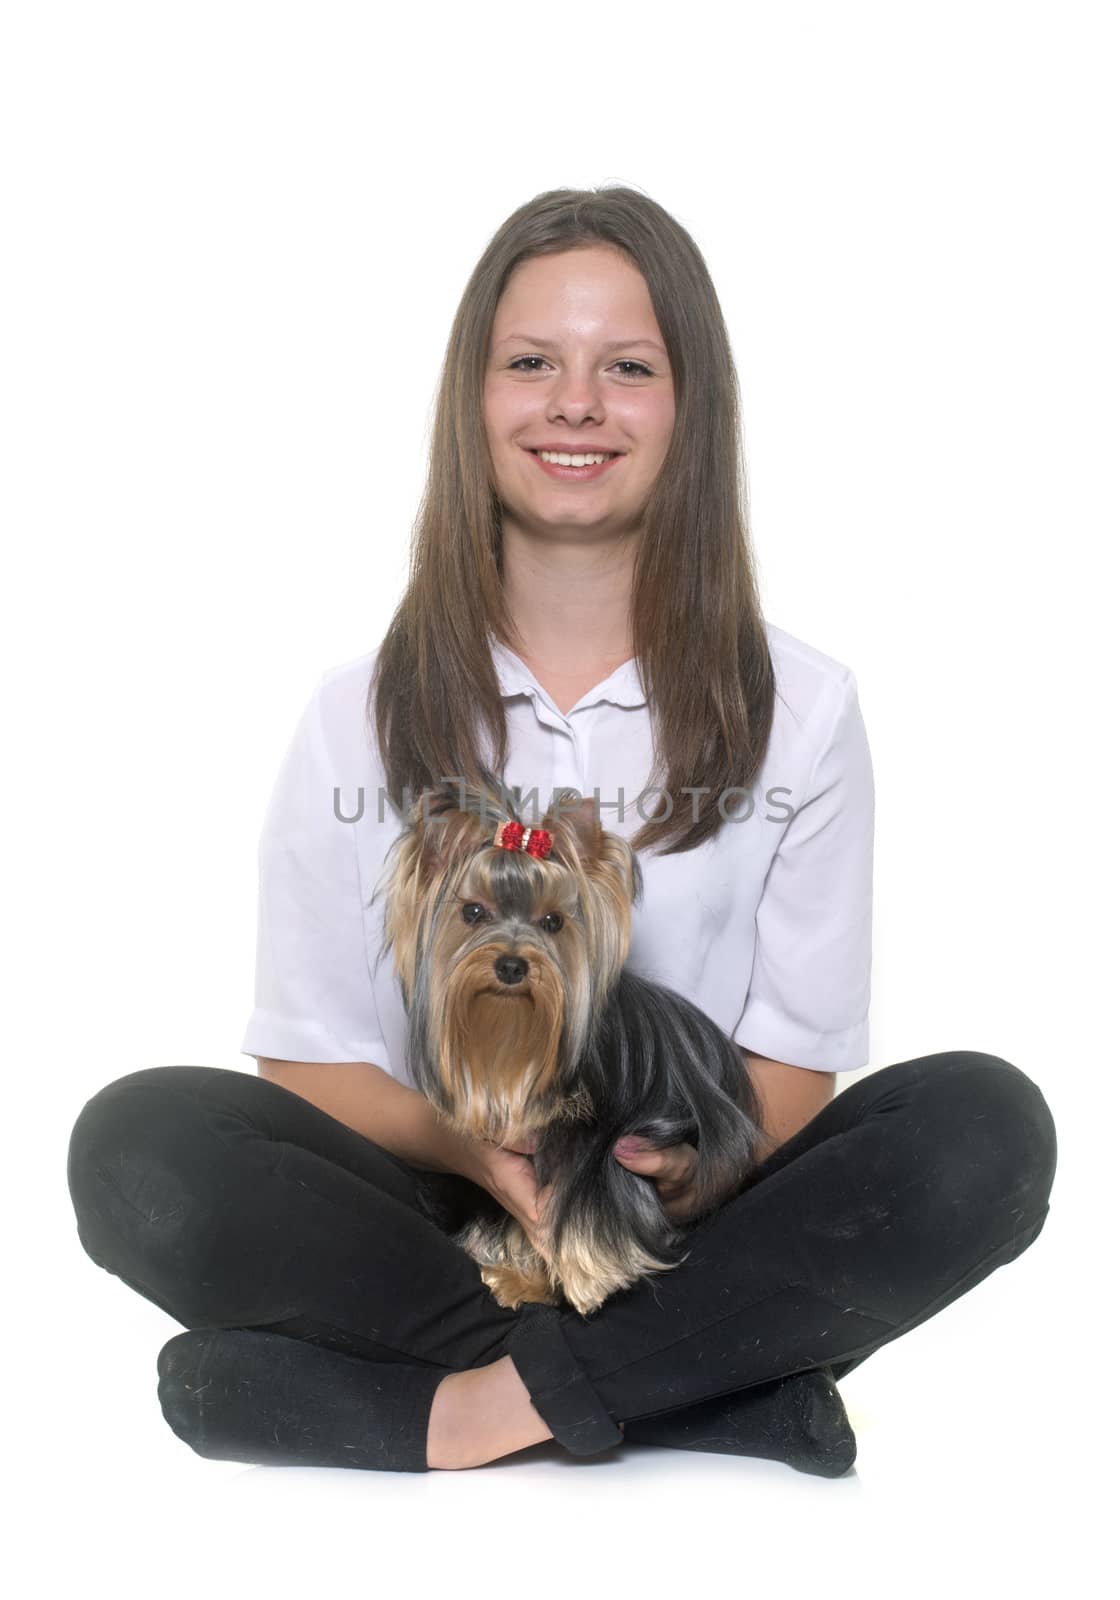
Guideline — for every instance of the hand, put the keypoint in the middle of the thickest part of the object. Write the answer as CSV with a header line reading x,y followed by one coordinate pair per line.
x,y
672,1171
509,1176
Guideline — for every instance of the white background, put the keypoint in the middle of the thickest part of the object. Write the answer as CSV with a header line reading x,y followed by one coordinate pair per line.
x,y
235,238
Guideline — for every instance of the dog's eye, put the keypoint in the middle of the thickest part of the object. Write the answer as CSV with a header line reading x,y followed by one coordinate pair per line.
x,y
552,922
473,912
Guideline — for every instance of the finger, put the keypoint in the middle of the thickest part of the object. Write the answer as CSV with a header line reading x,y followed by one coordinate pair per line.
x,y
532,1198
517,1190
523,1147
675,1164
543,1203
650,1163
539,1235
531,1205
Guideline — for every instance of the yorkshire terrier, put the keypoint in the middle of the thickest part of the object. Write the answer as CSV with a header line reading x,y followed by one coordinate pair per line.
x,y
509,944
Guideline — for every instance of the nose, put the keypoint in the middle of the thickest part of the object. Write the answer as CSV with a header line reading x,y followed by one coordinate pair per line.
x,y
511,969
574,396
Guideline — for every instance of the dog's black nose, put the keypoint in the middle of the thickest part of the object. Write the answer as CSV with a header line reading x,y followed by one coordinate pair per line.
x,y
511,969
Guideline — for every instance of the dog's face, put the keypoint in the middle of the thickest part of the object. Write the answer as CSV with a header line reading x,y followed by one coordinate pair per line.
x,y
506,957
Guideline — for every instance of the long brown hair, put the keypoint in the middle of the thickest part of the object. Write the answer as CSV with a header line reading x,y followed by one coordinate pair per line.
x,y
695,620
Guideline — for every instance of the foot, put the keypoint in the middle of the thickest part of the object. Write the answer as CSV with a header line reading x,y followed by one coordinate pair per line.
x,y
798,1419
480,1415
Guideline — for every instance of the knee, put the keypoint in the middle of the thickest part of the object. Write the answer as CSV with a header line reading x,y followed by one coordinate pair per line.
x,y
98,1137
117,1118
999,1143
124,1168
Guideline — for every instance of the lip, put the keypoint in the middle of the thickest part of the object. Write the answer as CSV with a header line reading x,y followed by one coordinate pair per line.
x,y
574,474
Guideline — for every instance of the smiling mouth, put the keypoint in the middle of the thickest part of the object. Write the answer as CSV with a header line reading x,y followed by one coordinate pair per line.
x,y
591,469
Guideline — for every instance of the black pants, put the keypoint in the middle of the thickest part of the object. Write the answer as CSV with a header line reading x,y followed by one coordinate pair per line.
x,y
231,1202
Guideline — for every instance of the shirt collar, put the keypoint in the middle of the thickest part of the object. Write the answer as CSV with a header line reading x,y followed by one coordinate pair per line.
x,y
622,688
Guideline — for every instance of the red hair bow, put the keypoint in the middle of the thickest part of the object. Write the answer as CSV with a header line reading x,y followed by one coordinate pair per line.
x,y
517,836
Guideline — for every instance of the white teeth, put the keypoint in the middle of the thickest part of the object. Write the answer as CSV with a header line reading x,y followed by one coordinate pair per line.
x,y
561,458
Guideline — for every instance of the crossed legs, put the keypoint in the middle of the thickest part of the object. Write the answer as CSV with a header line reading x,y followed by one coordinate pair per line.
x,y
234,1204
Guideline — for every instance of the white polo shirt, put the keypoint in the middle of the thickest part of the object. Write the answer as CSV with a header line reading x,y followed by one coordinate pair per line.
x,y
766,927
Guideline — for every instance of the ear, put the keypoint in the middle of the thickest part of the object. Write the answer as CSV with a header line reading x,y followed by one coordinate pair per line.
x,y
444,832
577,814
600,852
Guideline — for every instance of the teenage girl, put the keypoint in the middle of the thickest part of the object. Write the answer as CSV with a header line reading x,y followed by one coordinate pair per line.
x,y
581,611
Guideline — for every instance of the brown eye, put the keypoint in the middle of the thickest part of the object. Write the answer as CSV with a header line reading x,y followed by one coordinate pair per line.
x,y
552,922
473,912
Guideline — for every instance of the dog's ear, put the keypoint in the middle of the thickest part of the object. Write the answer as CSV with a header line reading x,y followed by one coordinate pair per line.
x,y
599,851
444,831
578,813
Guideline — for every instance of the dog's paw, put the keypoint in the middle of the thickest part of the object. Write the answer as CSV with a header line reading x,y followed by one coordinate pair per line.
x,y
512,1287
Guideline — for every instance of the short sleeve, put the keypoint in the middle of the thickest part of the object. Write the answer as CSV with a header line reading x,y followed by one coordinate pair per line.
x,y
810,992
314,998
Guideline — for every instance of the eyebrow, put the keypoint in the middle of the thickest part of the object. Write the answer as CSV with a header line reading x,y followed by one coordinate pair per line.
x,y
547,344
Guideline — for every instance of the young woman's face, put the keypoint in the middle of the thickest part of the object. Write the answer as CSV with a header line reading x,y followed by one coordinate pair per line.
x,y
576,362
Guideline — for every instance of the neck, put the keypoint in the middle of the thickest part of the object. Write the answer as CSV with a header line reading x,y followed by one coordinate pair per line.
x,y
569,602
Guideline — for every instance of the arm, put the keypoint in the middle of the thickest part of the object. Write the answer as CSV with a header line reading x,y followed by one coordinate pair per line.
x,y
791,1096
373,1103
810,980
404,1122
